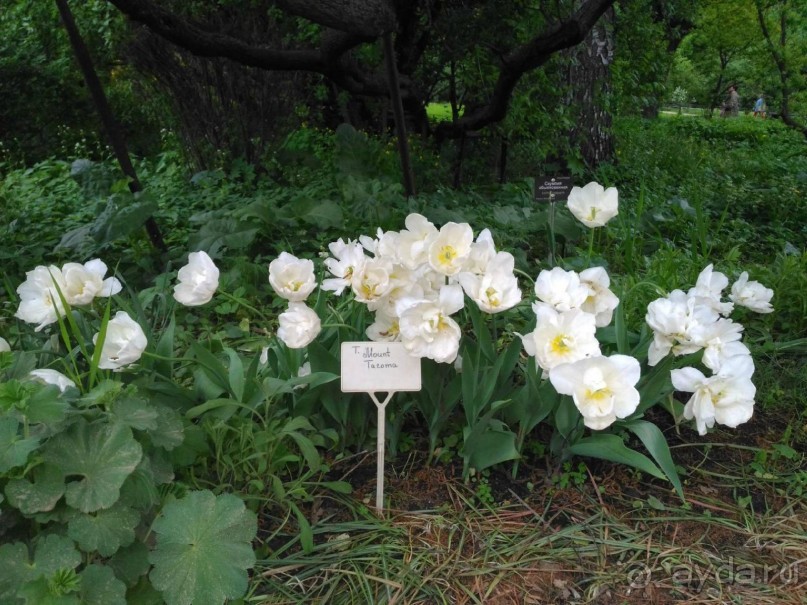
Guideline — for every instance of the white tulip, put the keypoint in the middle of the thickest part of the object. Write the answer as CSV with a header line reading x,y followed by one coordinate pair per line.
x,y
384,328
198,280
603,388
83,283
561,337
371,282
593,205
53,377
708,290
725,398
497,288
39,297
601,302
299,325
722,341
414,241
450,248
427,330
482,252
292,278
4,346
347,258
679,324
561,289
124,343
751,294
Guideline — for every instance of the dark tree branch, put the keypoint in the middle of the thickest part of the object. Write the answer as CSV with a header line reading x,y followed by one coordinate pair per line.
x,y
525,58
365,18
111,125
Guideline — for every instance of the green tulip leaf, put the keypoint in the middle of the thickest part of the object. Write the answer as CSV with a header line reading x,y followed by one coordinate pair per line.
x,y
102,455
203,549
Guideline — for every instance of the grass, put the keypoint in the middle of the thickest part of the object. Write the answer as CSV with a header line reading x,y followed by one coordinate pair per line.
x,y
611,540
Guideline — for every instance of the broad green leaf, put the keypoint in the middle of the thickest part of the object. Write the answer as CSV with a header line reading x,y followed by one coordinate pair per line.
x,y
46,407
39,496
169,431
40,592
99,586
52,554
203,549
611,447
235,374
134,412
104,531
14,449
131,562
653,439
124,214
102,455
490,447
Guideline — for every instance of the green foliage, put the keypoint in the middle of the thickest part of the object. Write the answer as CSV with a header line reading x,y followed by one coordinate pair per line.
x,y
203,549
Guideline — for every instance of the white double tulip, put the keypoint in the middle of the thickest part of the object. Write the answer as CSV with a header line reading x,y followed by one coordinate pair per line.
x,y
124,343
198,280
602,388
593,205
751,294
53,377
292,278
299,325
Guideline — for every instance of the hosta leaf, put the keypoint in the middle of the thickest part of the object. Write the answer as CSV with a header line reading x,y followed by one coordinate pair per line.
x,y
203,549
39,496
99,586
14,449
103,455
104,531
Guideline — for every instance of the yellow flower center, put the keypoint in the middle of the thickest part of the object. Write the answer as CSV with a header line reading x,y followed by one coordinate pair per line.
x,y
447,254
493,297
593,214
560,344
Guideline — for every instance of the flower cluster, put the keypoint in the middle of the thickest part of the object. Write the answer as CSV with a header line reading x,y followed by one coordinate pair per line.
x,y
413,280
293,279
685,323
46,289
570,308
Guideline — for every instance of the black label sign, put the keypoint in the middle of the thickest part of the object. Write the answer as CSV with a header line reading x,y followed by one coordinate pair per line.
x,y
553,189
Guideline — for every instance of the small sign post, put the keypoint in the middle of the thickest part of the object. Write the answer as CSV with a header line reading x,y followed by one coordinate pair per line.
x,y
373,367
552,189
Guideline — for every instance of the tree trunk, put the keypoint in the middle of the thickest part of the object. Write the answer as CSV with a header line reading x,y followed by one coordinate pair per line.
x,y
591,93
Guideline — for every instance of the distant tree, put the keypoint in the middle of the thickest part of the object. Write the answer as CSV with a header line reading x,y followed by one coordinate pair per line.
x,y
783,24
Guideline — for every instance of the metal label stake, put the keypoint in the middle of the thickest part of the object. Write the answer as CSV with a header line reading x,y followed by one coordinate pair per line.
x,y
379,367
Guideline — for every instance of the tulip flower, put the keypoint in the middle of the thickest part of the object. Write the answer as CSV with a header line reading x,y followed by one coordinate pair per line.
x,y
427,330
198,280
299,325
751,294
291,277
124,343
497,289
450,248
53,377
83,283
602,388
601,302
725,398
39,296
593,205
561,337
561,289
4,346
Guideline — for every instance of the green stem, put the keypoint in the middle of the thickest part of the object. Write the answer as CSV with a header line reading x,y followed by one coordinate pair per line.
x,y
590,245
244,304
552,249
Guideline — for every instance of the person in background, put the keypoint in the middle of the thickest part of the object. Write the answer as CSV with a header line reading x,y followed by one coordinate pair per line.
x,y
733,102
759,107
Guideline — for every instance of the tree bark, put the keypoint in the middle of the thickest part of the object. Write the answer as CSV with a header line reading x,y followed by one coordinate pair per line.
x,y
590,88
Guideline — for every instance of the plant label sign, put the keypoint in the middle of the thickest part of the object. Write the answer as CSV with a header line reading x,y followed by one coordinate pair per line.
x,y
553,189
378,367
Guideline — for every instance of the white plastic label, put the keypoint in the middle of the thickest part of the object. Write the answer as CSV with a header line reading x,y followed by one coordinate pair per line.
x,y
371,367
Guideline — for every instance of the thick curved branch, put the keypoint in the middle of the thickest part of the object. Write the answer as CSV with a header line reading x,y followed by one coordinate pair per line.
x,y
525,58
366,18
328,60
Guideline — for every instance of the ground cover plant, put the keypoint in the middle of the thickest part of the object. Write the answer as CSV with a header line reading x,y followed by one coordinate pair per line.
x,y
220,411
